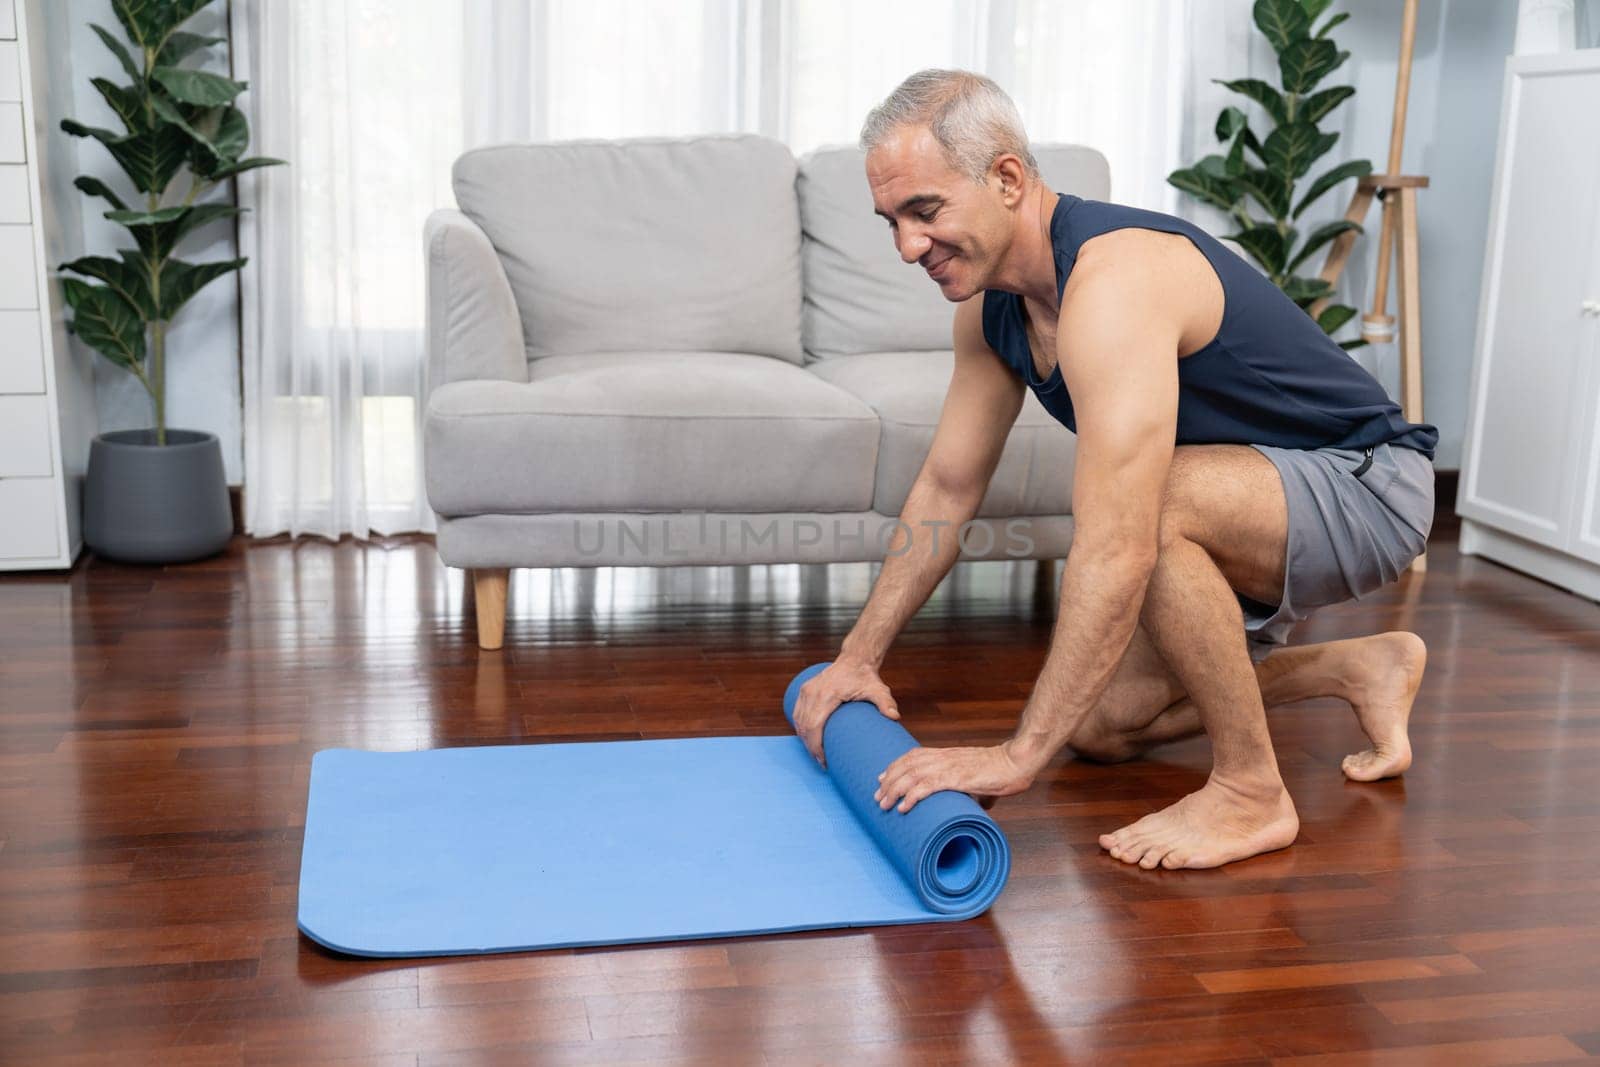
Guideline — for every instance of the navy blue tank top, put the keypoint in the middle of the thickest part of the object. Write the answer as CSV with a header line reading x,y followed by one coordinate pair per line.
x,y
1271,376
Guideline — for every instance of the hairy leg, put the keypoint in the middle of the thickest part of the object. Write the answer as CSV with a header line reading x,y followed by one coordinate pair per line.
x,y
1377,675
1224,525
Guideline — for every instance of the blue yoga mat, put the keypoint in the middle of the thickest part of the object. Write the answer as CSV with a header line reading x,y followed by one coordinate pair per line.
x,y
496,849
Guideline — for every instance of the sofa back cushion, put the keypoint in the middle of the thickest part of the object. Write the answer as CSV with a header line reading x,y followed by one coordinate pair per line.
x,y
859,296
658,244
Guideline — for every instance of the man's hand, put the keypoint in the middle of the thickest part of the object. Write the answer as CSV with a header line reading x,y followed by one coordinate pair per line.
x,y
981,772
841,681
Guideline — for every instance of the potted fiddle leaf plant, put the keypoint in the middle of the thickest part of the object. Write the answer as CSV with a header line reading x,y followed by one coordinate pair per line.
x,y
1265,171
156,495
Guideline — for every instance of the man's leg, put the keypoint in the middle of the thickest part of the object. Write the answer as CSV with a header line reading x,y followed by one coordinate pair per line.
x,y
1144,705
1224,526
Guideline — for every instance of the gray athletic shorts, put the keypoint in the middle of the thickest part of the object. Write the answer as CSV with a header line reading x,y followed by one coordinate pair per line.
x,y
1354,525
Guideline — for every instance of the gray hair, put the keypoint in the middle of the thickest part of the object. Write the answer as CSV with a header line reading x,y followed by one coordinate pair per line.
x,y
970,116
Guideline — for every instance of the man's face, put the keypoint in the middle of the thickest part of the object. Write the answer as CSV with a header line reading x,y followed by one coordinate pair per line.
x,y
956,229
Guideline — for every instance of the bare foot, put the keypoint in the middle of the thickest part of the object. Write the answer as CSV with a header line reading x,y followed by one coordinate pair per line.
x,y
1390,670
1218,824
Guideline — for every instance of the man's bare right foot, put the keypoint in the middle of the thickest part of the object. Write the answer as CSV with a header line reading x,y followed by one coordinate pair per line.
x,y
1388,670
1218,824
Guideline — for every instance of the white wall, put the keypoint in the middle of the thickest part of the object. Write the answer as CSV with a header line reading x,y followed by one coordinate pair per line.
x,y
1451,129
203,341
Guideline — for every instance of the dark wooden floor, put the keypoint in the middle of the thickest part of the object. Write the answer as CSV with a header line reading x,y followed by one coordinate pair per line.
x,y
156,727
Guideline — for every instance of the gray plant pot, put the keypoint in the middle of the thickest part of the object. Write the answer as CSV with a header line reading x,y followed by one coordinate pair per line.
x,y
150,503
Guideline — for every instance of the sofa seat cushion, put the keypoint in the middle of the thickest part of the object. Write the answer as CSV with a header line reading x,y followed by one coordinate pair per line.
x,y
907,391
650,431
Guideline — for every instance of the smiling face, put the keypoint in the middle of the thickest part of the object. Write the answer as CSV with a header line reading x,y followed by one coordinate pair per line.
x,y
957,230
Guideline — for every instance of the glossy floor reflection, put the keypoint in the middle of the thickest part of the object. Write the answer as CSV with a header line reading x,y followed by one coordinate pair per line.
x,y
156,727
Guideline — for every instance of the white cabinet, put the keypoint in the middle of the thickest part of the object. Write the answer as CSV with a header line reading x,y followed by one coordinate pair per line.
x,y
47,415
1530,474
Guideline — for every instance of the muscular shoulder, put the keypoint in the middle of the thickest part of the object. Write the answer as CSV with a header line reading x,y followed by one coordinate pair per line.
x,y
1131,256
1137,277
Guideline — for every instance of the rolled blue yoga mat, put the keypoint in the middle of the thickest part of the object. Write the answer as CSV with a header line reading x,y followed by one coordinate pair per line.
x,y
510,847
947,848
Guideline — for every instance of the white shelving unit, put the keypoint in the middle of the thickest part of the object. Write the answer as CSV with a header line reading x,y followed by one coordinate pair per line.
x,y
47,412
1530,471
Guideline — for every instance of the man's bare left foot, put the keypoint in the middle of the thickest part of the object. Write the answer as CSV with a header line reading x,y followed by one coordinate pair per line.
x,y
1389,670
1218,824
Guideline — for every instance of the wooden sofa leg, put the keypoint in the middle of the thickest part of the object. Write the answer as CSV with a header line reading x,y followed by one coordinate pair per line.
x,y
489,589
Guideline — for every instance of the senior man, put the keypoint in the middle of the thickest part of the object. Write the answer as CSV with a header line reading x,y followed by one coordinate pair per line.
x,y
1235,470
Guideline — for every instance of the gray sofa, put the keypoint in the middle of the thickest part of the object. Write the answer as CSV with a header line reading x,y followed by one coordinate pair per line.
x,y
696,351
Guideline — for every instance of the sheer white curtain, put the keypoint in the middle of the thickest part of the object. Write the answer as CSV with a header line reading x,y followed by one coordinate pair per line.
x,y
371,101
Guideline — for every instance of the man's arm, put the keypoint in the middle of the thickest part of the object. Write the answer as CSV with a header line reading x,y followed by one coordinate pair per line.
x,y
980,407
1116,344
1120,365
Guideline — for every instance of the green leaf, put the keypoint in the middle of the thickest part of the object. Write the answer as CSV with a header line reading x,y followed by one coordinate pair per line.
x,y
118,50
139,267
1313,8
106,322
1235,164
1306,62
148,22
1306,290
1282,21
1266,244
1356,168
148,218
99,133
213,156
1207,187
1290,150
126,100
128,277
242,165
1334,316
1254,145
1261,93
1269,190
96,187
1349,345
1315,106
1331,23
137,17
1321,236
198,87
218,139
150,157
1230,122
169,112
158,232
180,281
232,134
179,45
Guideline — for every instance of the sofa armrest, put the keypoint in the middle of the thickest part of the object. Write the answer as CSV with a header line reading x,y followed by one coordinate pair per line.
x,y
473,328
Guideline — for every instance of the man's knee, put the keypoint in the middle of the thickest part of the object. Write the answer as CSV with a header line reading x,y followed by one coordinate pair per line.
x,y
1209,504
1141,690
1175,530
1182,505
1098,742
